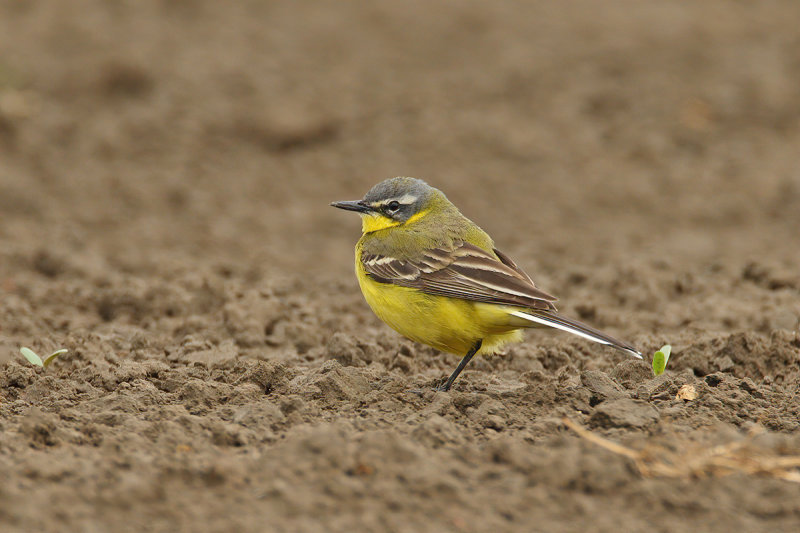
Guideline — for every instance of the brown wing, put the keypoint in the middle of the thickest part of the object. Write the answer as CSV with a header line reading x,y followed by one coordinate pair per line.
x,y
466,272
508,262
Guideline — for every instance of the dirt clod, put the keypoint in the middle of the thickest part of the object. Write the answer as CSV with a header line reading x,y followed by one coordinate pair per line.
x,y
624,413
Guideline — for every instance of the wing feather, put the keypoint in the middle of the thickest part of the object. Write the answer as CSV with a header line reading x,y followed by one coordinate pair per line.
x,y
466,271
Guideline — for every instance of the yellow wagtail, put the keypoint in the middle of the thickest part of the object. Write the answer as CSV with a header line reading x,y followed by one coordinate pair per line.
x,y
435,277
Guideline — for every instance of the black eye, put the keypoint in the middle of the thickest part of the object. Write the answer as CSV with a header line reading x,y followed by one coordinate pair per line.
x,y
393,205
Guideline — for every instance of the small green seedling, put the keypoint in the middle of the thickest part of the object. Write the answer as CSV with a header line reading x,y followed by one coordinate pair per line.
x,y
660,359
34,359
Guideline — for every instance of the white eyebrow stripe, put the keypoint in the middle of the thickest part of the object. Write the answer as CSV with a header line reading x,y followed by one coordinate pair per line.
x,y
406,199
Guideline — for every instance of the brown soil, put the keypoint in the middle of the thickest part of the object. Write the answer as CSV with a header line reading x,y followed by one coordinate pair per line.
x,y
165,173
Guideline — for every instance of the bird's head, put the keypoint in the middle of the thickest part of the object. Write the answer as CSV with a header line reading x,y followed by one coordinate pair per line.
x,y
393,202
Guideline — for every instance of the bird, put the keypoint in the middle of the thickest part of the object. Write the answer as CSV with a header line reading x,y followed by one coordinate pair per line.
x,y
435,277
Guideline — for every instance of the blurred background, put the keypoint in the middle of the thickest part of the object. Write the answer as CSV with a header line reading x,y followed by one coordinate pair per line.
x,y
159,137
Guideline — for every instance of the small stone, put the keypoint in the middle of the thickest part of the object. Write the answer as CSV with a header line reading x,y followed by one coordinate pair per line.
x,y
602,387
624,413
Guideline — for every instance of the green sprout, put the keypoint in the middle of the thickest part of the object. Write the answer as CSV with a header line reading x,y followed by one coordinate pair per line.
x,y
660,359
34,359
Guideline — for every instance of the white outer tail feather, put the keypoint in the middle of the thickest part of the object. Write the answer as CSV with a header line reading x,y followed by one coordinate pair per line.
x,y
557,325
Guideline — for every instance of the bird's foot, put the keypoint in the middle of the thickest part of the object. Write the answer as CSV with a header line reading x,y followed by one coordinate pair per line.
x,y
444,386
440,387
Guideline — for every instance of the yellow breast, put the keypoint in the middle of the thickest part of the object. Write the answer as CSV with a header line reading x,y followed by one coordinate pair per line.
x,y
447,324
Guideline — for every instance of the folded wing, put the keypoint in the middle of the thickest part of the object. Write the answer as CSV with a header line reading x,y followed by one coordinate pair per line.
x,y
467,272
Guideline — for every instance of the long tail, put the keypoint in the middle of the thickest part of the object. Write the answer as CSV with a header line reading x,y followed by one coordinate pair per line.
x,y
577,328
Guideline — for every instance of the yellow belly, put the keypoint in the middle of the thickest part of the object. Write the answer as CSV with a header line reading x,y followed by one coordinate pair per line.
x,y
447,324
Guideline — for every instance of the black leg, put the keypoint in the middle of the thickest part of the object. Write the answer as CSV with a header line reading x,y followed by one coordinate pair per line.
x,y
460,367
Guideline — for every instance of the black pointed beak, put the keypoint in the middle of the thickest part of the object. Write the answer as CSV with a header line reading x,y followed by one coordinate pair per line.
x,y
358,206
